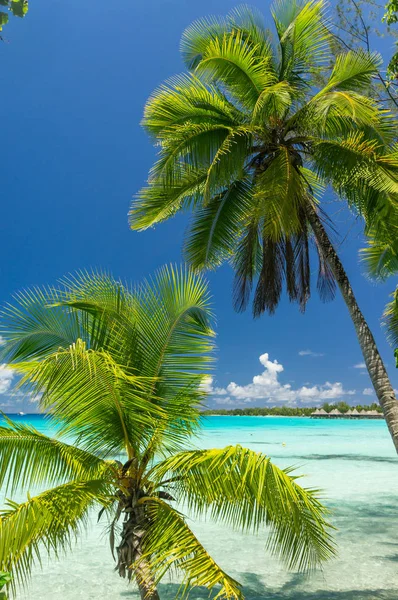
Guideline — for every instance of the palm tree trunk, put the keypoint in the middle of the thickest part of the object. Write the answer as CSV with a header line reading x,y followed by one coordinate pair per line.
x,y
129,551
145,582
374,364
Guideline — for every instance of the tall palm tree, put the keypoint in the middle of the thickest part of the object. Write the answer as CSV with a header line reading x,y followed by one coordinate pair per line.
x,y
248,143
120,374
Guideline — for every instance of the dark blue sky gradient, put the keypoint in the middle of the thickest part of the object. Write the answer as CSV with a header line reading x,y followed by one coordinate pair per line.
x,y
75,77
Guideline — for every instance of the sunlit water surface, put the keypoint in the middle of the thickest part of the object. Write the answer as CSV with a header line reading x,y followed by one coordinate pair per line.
x,y
354,462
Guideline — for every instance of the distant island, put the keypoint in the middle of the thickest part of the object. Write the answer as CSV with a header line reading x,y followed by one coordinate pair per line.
x,y
289,411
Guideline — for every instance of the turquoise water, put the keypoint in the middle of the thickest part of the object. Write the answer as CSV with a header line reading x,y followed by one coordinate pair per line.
x,y
354,462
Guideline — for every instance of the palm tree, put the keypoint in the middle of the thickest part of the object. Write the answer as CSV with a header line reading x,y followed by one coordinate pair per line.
x,y
120,373
249,143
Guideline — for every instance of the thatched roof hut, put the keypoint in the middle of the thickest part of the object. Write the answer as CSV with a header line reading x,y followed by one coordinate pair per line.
x,y
354,413
335,413
319,412
374,414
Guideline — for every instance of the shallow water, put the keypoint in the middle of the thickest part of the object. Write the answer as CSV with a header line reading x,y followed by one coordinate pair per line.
x,y
354,462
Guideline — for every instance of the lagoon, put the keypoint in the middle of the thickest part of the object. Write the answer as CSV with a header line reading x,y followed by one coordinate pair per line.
x,y
355,465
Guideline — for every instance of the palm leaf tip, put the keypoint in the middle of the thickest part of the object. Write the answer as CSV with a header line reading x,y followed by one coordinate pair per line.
x,y
170,544
244,489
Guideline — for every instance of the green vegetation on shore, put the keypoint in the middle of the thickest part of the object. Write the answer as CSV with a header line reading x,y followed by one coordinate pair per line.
x,y
288,411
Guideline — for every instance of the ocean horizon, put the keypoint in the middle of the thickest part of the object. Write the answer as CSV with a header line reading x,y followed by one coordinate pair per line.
x,y
354,464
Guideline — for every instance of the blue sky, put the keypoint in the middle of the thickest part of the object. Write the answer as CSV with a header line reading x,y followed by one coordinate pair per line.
x,y
75,77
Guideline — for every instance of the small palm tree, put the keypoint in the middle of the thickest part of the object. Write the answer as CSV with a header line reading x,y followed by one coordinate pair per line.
x,y
249,142
120,372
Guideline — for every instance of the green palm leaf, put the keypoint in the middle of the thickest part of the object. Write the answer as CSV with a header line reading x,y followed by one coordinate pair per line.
x,y
88,393
170,544
244,489
158,202
353,71
30,329
186,98
215,228
381,256
390,320
304,39
29,459
47,523
238,66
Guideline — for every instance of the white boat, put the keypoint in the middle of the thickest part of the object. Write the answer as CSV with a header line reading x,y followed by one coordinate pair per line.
x,y
21,414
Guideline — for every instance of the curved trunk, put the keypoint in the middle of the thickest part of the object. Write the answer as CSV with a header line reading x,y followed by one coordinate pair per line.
x,y
373,360
145,582
129,551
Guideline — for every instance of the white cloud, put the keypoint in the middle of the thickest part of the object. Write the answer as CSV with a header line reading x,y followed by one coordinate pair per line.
x,y
368,392
223,401
207,386
360,366
267,387
6,377
310,353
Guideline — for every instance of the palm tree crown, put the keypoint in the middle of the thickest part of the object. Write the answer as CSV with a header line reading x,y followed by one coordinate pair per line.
x,y
248,141
120,372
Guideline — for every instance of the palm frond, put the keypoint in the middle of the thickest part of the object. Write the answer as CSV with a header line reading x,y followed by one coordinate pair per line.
x,y
29,458
175,324
326,283
237,65
381,257
217,226
250,22
353,71
390,320
186,98
30,329
247,262
272,103
335,112
304,39
269,286
280,191
228,162
302,268
194,143
244,489
170,544
197,36
89,394
158,202
46,524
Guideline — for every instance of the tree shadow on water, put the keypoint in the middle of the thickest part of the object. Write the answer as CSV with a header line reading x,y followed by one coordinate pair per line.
x,y
254,589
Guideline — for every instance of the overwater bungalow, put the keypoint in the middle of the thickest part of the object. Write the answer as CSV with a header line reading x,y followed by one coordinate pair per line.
x,y
335,413
320,413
